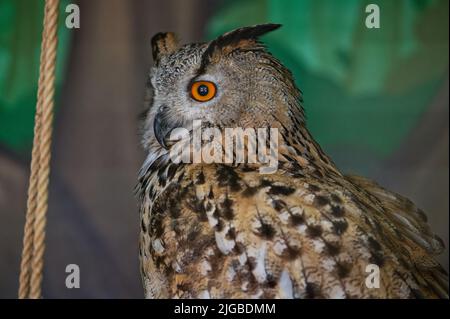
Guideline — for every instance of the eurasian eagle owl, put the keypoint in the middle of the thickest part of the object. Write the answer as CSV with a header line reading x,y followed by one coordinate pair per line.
x,y
225,230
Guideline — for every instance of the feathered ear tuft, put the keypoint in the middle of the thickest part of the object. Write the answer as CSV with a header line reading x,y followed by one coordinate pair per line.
x,y
163,44
245,37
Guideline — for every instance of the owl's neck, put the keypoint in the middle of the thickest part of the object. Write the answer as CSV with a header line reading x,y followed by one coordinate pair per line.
x,y
301,153
290,149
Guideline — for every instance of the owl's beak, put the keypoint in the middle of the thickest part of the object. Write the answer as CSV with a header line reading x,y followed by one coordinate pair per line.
x,y
162,126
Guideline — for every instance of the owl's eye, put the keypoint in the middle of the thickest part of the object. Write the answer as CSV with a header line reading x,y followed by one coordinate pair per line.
x,y
203,91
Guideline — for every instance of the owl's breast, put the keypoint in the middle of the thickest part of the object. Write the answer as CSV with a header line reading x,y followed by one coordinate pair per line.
x,y
216,231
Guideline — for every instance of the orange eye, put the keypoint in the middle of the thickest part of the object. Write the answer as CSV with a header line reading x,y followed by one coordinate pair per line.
x,y
203,91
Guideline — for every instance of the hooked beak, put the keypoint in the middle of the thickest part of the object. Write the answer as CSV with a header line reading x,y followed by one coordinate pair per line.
x,y
160,126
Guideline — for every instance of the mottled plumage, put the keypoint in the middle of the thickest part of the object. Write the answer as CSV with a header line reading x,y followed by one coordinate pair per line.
x,y
227,231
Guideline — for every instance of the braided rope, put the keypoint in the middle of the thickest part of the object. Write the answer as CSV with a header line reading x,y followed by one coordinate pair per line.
x,y
34,232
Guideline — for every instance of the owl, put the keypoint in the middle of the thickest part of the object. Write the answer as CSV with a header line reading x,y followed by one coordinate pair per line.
x,y
227,230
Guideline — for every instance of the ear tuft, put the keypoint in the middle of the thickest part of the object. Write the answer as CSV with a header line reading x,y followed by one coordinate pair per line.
x,y
245,33
245,37
163,43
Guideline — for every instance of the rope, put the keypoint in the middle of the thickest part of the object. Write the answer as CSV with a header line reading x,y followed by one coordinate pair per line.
x,y
34,232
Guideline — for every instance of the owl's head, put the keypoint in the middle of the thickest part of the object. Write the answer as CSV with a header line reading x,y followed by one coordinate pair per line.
x,y
232,81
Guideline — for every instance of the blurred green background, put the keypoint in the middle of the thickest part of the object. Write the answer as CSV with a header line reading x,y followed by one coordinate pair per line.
x,y
20,44
375,99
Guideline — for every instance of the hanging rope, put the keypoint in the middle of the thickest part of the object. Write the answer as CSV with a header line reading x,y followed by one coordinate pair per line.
x,y
34,233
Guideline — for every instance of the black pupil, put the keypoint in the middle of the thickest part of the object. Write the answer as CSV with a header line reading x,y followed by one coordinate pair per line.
x,y
202,90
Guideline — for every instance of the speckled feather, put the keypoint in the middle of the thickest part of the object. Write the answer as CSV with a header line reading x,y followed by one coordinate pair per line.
x,y
306,231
